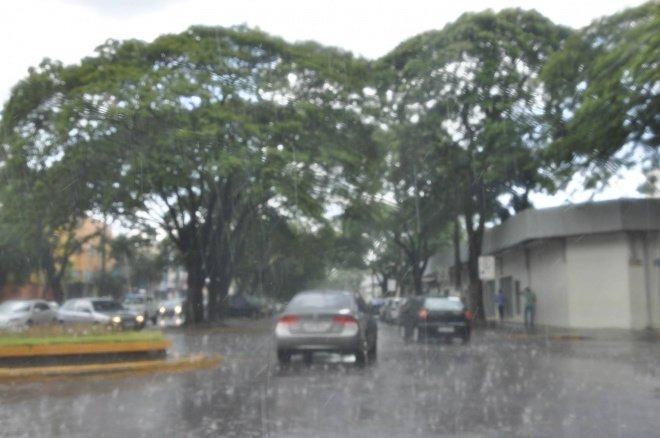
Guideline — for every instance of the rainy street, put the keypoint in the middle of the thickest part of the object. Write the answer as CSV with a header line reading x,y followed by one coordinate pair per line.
x,y
499,385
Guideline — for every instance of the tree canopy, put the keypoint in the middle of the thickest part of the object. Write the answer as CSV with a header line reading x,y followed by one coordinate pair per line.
x,y
604,88
468,99
270,165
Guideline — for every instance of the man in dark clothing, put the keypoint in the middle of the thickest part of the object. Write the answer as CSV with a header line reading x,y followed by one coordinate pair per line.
x,y
530,307
500,300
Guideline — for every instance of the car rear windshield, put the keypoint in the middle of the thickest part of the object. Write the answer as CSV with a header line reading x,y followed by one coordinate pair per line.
x,y
442,304
333,302
106,306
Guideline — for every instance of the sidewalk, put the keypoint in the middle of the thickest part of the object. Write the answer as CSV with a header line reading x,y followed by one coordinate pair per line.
x,y
517,330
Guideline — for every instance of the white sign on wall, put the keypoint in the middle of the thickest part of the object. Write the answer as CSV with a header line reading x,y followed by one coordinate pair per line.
x,y
487,267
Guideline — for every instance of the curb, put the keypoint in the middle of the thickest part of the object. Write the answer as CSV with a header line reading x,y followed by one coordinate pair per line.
x,y
30,374
84,349
549,337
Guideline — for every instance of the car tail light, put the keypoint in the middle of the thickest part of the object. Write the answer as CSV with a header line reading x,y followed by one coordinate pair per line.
x,y
287,320
423,313
349,325
345,319
284,324
468,315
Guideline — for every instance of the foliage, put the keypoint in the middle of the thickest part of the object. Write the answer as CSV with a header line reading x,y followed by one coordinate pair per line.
x,y
275,166
468,100
197,133
605,100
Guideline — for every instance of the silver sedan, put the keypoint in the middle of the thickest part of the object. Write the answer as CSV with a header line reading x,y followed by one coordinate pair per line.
x,y
333,321
21,313
99,311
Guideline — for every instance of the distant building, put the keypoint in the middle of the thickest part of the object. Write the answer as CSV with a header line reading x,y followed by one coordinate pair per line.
x,y
88,262
173,284
592,265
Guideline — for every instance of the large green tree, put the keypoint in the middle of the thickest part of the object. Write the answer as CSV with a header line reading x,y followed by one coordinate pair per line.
x,y
47,187
474,88
604,110
201,132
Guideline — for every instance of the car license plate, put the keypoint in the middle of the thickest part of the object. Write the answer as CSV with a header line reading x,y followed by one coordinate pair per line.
x,y
445,329
316,327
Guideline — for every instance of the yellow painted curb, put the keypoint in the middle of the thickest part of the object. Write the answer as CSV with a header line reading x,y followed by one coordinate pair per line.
x,y
51,372
75,349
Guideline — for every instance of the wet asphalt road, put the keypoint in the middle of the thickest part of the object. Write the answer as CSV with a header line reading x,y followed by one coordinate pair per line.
x,y
498,386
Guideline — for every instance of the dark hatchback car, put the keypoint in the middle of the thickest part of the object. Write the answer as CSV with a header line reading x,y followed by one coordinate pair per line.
x,y
331,321
439,317
240,306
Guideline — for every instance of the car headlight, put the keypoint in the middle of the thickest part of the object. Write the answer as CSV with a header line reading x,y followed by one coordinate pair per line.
x,y
177,310
116,320
162,309
139,319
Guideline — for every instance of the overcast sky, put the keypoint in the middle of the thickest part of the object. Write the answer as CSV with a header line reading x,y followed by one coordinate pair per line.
x,y
68,30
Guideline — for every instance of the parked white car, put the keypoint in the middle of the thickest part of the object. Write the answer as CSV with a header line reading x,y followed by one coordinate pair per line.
x,y
142,304
25,313
99,311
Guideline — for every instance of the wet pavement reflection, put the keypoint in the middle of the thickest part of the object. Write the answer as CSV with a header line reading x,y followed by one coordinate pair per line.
x,y
495,386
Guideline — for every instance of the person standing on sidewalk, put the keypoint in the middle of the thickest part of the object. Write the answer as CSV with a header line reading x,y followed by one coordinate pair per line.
x,y
530,307
500,300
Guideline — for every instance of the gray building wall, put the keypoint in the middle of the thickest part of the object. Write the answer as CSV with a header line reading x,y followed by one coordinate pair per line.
x,y
542,267
592,266
598,292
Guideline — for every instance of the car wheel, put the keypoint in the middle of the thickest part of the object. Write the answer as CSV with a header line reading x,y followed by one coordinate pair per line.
x,y
362,353
373,351
283,356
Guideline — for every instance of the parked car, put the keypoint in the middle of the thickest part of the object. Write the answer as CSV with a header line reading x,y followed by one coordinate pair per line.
x,y
376,304
390,311
142,304
25,313
99,311
442,317
240,306
334,321
171,313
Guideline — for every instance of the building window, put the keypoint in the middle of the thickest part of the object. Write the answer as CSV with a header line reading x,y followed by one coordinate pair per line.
x,y
506,284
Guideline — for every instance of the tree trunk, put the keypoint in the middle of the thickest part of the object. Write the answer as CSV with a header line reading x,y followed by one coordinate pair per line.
x,y
195,301
457,254
475,237
218,292
417,275
53,280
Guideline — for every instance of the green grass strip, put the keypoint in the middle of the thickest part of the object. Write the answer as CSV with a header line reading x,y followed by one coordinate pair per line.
x,y
12,340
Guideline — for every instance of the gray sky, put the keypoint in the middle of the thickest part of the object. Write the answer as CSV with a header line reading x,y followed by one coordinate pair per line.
x,y
68,30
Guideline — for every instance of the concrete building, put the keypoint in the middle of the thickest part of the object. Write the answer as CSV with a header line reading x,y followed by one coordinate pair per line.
x,y
593,265
91,259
